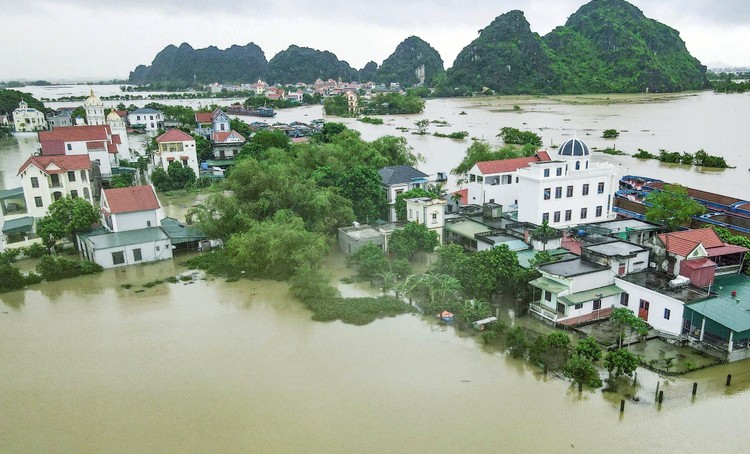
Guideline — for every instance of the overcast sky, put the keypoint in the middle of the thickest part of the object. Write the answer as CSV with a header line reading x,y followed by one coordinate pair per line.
x,y
104,39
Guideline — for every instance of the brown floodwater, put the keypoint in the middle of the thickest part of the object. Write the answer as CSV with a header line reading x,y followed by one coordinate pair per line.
x,y
87,365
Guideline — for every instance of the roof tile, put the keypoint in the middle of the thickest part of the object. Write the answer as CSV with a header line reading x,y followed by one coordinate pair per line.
x,y
128,200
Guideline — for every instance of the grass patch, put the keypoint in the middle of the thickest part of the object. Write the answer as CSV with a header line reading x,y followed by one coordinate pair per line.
x,y
171,280
612,151
371,120
459,135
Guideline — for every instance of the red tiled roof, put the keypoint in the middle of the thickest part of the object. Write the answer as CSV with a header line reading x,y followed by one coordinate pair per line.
x,y
174,135
64,162
76,134
683,243
697,264
724,250
204,117
463,195
220,137
112,148
128,200
510,165
116,139
122,113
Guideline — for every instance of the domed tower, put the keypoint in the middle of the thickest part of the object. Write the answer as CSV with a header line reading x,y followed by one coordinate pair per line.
x,y
94,109
117,125
576,153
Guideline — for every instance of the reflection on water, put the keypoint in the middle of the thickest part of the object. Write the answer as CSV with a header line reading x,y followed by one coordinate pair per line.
x,y
209,366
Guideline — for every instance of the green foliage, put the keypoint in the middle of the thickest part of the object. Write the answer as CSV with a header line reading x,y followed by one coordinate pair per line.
x,y
219,216
10,278
184,114
177,176
414,237
517,342
54,268
433,292
9,255
410,194
362,185
303,64
337,106
422,125
370,261
161,180
411,57
123,180
728,237
552,351
589,349
610,134
184,66
203,148
393,103
704,159
517,137
329,131
459,135
619,362
264,140
65,218
5,131
581,370
9,100
671,207
370,120
481,151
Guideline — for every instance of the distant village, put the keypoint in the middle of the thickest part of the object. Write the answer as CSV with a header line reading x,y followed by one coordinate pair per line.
x,y
687,284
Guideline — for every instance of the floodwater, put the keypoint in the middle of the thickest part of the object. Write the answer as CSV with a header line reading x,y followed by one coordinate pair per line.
x,y
87,365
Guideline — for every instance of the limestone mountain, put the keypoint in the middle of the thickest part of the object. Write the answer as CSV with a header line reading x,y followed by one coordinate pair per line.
x,y
367,73
610,46
413,62
184,66
507,57
303,64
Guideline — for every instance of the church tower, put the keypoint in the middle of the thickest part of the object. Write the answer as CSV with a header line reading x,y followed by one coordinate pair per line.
x,y
94,110
117,125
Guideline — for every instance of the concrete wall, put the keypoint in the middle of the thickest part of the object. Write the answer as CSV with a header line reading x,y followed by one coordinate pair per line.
x,y
149,253
133,221
657,303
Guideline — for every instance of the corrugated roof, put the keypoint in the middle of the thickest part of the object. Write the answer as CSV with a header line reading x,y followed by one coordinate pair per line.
x,y
180,233
127,238
174,135
9,193
132,199
697,264
400,174
18,225
590,295
724,250
204,117
549,285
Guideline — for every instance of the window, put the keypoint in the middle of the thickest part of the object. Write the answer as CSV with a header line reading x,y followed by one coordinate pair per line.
x,y
434,218
69,146
184,162
137,257
472,178
568,215
546,193
546,173
34,182
71,176
507,179
158,248
83,176
585,190
38,202
86,194
148,223
516,179
569,191
597,304
600,188
480,179
118,258
151,117
584,212
558,192
667,313
556,216
411,215
578,306
624,298
138,117
599,211
547,296
578,165
55,180
558,171
74,194
545,217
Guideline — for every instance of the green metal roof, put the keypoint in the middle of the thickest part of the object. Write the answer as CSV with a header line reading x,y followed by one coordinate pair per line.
x,y
549,285
724,312
180,233
118,239
221,162
11,193
590,295
19,225
466,228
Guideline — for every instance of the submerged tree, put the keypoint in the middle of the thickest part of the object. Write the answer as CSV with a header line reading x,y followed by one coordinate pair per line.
x,y
581,370
671,206
620,362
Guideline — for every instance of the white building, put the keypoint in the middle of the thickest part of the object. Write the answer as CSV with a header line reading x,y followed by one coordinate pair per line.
x,y
28,119
131,233
49,178
568,191
427,211
496,181
175,145
94,108
96,141
117,126
149,119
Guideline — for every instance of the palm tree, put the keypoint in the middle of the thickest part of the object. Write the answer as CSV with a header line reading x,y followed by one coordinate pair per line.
x,y
544,233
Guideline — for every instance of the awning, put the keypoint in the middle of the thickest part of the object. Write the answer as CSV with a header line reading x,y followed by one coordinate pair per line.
x,y
19,225
548,285
724,250
590,295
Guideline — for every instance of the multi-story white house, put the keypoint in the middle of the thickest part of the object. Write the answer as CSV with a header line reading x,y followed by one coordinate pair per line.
x,y
398,179
427,211
49,178
146,118
130,232
175,145
28,119
567,191
227,145
496,181
96,141
119,128
94,108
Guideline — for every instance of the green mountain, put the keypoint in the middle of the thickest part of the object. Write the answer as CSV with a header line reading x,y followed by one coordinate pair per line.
x,y
507,57
367,73
9,100
610,46
413,62
303,64
606,46
185,66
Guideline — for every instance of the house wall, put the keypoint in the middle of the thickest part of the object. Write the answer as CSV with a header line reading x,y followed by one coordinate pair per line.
x,y
221,123
588,307
123,222
162,158
489,191
591,281
151,122
430,213
657,303
45,190
149,253
349,245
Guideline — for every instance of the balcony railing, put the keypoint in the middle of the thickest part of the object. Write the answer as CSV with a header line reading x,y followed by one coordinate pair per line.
x,y
543,311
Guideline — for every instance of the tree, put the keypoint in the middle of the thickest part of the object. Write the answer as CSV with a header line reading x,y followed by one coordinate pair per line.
x,y
620,362
362,185
422,125
581,370
552,350
410,194
434,292
544,233
182,176
610,134
622,319
65,218
220,216
336,105
516,341
588,348
370,261
257,145
406,242
161,180
123,180
671,206
518,137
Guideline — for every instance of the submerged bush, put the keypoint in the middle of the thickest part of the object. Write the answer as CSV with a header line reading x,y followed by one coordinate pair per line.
x,y
54,268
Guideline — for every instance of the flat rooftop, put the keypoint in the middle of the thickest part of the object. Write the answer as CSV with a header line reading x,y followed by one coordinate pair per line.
x,y
625,224
659,282
363,232
573,267
615,248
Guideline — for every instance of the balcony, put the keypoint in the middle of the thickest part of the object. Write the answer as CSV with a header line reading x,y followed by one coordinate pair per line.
x,y
544,312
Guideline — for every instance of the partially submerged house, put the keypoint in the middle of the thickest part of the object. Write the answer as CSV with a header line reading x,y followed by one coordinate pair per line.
x,y
398,179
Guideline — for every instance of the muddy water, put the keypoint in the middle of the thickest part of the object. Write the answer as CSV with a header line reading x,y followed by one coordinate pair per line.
x,y
89,366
